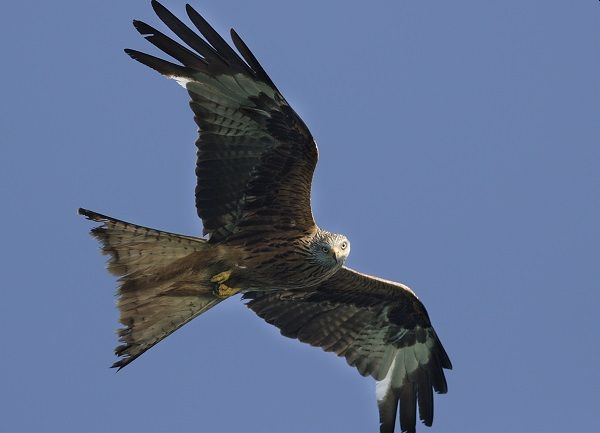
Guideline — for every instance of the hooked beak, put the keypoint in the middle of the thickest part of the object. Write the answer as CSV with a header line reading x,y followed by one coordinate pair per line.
x,y
337,255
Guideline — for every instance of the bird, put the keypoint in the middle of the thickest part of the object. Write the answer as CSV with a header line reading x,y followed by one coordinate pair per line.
x,y
255,164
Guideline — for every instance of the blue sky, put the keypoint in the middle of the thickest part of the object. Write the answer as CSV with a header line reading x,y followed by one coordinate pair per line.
x,y
460,153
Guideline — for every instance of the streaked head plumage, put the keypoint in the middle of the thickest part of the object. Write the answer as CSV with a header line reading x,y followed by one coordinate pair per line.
x,y
330,250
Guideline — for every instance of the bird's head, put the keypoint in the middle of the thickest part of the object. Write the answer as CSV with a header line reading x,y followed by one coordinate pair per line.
x,y
331,249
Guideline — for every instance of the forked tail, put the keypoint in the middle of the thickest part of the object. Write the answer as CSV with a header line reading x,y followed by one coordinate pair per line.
x,y
164,281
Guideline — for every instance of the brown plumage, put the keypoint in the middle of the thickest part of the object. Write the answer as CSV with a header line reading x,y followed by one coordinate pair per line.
x,y
255,163
379,326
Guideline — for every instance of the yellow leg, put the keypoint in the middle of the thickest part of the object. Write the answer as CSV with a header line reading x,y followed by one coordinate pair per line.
x,y
221,278
224,291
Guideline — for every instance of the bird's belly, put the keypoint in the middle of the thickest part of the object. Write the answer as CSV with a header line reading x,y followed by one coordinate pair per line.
x,y
288,272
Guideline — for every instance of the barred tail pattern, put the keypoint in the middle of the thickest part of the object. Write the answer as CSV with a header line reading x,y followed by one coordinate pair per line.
x,y
164,281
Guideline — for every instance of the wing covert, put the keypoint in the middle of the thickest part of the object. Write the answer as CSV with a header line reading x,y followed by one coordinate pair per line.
x,y
379,326
255,156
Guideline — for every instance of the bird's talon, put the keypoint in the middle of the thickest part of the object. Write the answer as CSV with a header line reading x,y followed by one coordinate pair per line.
x,y
221,277
224,291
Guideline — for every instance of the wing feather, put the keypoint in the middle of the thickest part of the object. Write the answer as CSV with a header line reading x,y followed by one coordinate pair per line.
x,y
255,157
169,46
220,45
186,34
379,326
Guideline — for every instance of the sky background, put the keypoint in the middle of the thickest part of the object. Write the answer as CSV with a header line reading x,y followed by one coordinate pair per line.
x,y
459,151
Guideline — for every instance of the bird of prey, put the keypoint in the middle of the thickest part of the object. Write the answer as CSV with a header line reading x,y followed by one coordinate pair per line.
x,y
255,163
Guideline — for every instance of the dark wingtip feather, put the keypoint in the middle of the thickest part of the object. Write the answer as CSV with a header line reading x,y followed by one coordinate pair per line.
x,y
169,46
250,58
425,397
388,406
445,359
185,33
220,45
228,54
408,408
159,65
437,377
142,27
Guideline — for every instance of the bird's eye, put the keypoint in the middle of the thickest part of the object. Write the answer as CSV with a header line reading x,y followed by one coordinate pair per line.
x,y
344,245
324,249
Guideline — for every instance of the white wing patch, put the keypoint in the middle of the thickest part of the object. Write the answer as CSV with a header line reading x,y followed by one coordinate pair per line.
x,y
406,361
182,81
383,386
233,86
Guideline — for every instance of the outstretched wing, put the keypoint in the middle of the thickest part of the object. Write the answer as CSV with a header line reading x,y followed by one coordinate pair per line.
x,y
379,326
256,157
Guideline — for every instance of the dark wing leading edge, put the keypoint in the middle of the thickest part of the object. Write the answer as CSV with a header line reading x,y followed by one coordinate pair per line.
x,y
380,327
256,157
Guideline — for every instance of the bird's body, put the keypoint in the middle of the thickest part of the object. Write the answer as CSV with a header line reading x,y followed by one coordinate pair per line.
x,y
255,162
277,262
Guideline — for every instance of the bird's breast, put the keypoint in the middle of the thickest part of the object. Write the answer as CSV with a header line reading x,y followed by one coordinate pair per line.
x,y
284,267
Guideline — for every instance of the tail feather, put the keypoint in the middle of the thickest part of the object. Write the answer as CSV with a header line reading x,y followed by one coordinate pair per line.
x,y
164,281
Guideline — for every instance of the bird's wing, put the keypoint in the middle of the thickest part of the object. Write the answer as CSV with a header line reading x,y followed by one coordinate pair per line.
x,y
379,326
256,157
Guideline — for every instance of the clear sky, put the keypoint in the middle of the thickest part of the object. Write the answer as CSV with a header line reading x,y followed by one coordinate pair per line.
x,y
460,153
